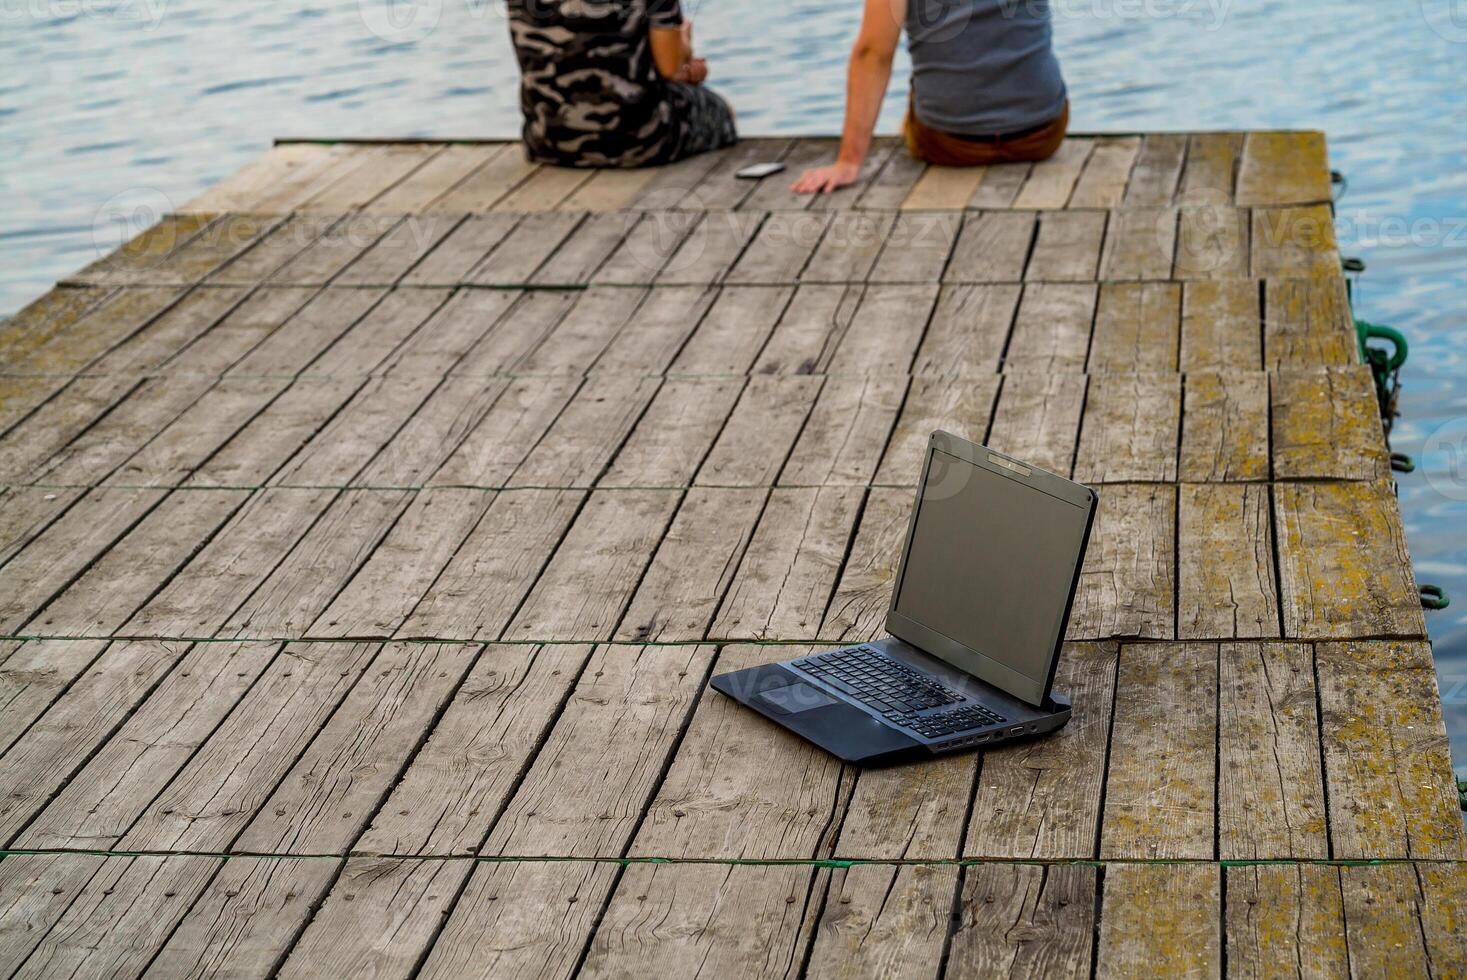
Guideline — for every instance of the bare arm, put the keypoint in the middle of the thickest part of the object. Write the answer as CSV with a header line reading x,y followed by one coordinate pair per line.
x,y
672,48
866,80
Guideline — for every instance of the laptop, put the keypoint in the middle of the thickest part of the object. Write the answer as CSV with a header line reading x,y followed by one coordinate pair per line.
x,y
977,619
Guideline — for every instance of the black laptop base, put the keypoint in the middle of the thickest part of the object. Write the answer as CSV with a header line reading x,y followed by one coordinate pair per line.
x,y
857,735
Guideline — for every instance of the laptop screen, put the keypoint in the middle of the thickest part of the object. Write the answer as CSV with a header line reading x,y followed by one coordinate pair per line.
x,y
990,565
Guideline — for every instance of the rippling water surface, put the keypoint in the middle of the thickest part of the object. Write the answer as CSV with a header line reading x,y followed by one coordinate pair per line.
x,y
150,101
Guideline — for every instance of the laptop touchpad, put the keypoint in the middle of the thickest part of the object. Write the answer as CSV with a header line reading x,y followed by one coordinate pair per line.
x,y
796,698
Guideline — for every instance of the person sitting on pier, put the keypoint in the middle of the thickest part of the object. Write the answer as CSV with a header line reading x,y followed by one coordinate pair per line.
x,y
986,86
613,83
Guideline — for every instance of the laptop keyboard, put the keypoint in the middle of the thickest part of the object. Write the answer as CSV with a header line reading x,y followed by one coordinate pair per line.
x,y
897,691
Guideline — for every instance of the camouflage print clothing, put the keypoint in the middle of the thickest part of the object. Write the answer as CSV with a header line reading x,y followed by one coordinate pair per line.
x,y
590,91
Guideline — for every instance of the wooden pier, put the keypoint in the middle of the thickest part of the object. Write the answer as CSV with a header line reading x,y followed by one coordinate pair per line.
x,y
370,526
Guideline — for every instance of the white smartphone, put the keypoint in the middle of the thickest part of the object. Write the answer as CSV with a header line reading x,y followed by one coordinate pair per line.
x,y
757,170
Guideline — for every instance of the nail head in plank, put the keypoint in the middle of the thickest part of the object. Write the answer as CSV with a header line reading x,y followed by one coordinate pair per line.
x,y
1384,926
1344,570
809,330
1126,582
1270,786
35,892
1021,920
884,920
1041,798
1391,791
1285,919
1225,579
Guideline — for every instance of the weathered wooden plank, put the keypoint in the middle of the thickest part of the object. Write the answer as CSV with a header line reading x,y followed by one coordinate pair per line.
x,y
790,566
943,188
721,798
715,919
1158,169
521,415
1384,931
320,262
416,451
1161,781
648,343
140,898
1140,243
1326,425
1221,326
62,702
651,240
890,185
1297,243
1131,428
243,923
1135,939
67,546
228,779
809,330
711,248
202,596
456,255
847,198
1225,580
135,258
380,168
1025,921
435,177
578,257
609,190
629,705
117,584
413,331
273,436
1270,790
522,918
774,193
464,774
1285,920
846,433
1386,754
721,189
967,333
336,454
671,183
1210,172
853,240
1051,181
59,421
885,331
884,920
186,322
282,164
309,331
1308,324
106,325
490,574
1344,570
1283,168
576,449
50,314
1212,243
389,258
857,610
1102,184
1126,583
1442,913
116,740
1037,418
587,585
528,246
1225,427
215,246
1052,328
909,812
27,512
1137,328
993,247
325,800
935,403
480,190
533,314
35,891
734,330
780,249
1041,798
574,344
383,593
319,566
917,247
673,437
1067,247
693,566
1001,185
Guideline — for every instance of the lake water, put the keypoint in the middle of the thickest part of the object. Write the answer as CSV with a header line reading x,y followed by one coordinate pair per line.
x,y
115,103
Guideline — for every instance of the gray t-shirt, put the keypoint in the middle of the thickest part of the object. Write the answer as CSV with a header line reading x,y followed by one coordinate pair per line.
x,y
983,67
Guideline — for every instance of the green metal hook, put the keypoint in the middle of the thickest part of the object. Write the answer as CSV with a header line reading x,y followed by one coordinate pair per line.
x,y
1434,597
